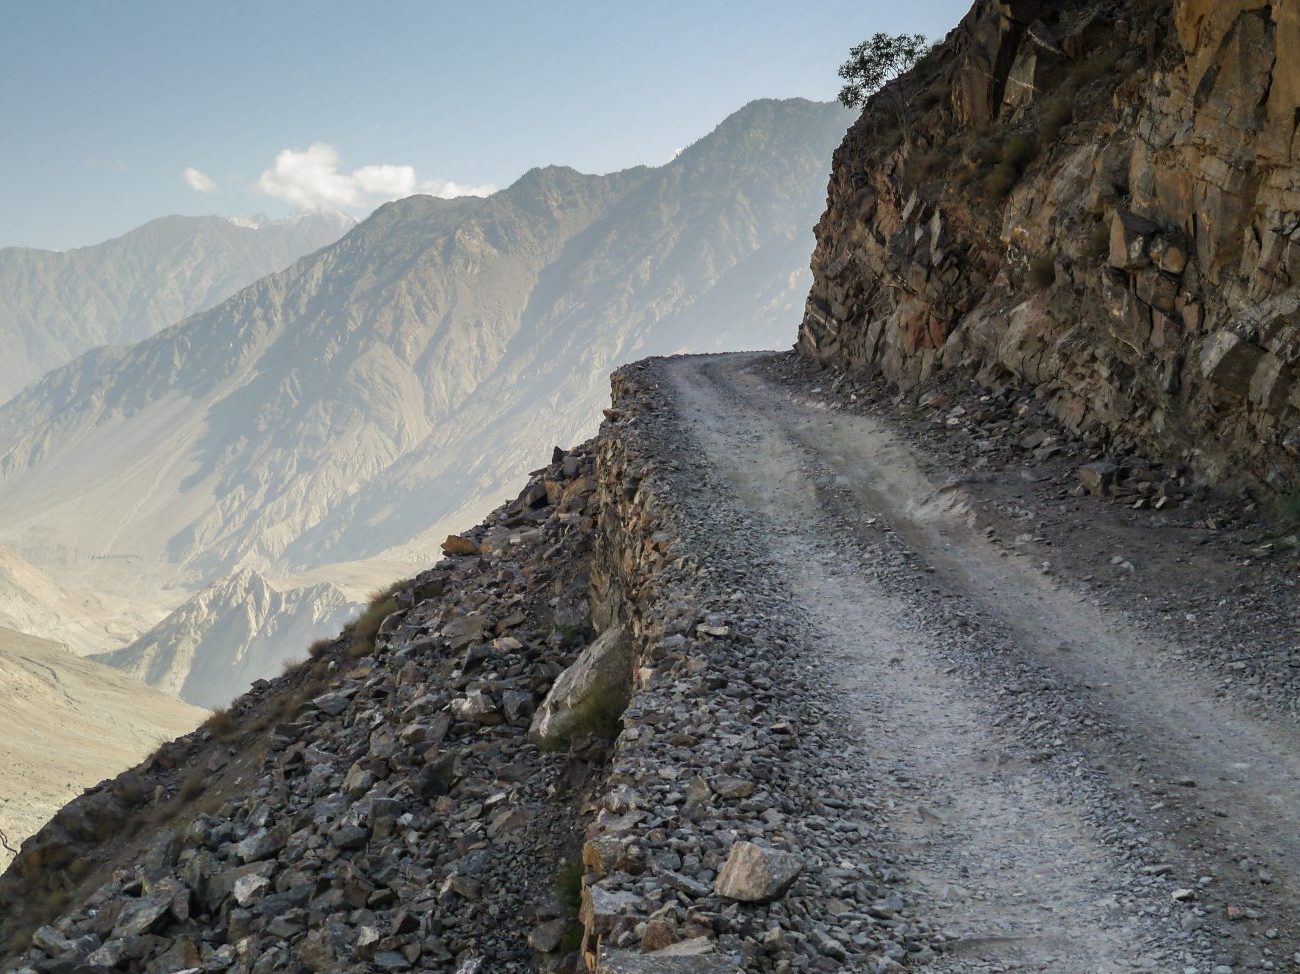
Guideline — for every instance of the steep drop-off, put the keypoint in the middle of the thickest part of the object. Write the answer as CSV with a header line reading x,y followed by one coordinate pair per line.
x,y
1097,199
235,631
65,724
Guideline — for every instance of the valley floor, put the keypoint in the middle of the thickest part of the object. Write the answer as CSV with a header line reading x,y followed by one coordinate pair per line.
x,y
1076,772
65,724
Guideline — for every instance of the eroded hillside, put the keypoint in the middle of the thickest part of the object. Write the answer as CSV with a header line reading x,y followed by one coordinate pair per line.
x,y
67,723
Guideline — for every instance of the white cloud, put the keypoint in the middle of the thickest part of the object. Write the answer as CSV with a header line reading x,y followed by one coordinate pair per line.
x,y
198,181
312,180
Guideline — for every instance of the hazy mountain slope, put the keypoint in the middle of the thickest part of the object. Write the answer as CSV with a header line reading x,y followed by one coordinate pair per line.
x,y
80,618
54,305
394,385
237,630
706,254
67,723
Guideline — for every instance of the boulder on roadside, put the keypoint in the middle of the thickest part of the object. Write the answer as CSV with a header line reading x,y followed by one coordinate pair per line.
x,y
753,874
590,694
1099,477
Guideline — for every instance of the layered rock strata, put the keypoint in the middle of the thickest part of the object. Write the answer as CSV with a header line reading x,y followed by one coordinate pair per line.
x,y
1099,199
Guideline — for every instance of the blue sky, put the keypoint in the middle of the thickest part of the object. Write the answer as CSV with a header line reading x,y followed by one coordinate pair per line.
x,y
104,105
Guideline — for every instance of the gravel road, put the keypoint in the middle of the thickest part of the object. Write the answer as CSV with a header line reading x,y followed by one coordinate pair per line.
x,y
1063,793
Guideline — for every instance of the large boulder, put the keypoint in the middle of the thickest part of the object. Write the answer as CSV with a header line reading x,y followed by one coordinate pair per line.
x,y
754,874
590,695
690,957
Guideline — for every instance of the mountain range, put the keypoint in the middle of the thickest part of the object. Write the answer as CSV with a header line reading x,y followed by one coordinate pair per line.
x,y
55,305
334,421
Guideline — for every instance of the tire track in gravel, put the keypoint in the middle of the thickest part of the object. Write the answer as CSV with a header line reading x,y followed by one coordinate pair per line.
x,y
1004,860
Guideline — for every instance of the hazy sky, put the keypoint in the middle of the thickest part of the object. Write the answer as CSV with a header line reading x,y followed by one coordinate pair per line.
x,y
112,113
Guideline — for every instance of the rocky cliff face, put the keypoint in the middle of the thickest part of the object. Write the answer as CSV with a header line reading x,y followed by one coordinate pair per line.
x,y
1100,200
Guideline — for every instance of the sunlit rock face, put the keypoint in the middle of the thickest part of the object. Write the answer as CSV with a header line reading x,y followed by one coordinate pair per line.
x,y
1101,200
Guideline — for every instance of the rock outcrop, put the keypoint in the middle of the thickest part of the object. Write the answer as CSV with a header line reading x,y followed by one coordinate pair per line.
x,y
1099,199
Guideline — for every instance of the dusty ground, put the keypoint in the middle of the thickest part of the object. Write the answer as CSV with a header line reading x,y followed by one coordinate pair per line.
x,y
67,723
1077,714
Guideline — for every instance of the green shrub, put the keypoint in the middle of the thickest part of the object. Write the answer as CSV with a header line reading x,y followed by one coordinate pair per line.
x,y
568,883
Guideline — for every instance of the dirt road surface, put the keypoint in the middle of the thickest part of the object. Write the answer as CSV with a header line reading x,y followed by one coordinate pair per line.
x,y
1067,795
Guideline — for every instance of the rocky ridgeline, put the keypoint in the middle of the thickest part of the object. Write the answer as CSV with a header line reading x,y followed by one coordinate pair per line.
x,y
568,746
1097,198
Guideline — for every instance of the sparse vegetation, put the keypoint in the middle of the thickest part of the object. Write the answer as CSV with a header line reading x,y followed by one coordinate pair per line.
x,y
320,647
361,632
1087,70
193,786
568,883
222,725
130,792
923,166
51,903
1057,113
1017,152
292,666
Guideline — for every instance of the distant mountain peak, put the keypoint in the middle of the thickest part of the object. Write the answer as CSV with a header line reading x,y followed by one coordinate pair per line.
x,y
55,306
390,388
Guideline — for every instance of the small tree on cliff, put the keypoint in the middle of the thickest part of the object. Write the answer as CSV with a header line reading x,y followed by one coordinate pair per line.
x,y
876,62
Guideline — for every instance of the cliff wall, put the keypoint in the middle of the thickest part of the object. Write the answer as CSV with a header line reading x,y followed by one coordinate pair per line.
x,y
1100,200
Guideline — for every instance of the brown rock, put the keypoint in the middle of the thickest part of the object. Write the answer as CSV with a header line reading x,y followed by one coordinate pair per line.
x,y
753,874
457,545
